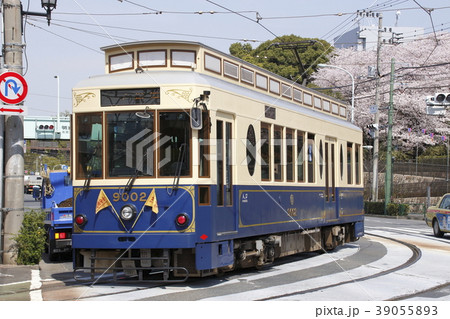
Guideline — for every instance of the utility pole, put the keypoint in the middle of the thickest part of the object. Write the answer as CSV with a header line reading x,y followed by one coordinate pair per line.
x,y
295,46
377,114
388,178
14,164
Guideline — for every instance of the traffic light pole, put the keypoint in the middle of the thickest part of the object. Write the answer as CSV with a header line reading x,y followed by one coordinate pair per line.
x,y
13,207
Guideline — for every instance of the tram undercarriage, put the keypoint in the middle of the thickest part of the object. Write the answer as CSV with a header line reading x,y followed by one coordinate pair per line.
x,y
177,265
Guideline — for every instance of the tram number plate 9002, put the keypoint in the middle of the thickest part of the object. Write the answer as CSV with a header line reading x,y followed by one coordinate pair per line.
x,y
134,197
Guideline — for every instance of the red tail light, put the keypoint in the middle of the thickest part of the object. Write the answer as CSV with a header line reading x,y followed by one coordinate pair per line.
x,y
60,235
182,219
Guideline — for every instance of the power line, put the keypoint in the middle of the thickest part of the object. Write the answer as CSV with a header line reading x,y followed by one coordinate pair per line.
x,y
339,14
142,30
258,17
65,38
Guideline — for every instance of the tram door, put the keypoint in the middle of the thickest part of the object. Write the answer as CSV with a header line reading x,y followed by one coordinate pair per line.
x,y
225,217
330,179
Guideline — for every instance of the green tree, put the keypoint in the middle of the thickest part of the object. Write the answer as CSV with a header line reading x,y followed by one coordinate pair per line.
x,y
289,56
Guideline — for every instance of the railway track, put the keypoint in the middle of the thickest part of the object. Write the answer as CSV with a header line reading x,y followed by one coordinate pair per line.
x,y
416,255
299,269
300,277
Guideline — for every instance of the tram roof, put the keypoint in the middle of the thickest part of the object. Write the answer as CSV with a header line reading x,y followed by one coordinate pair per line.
x,y
170,77
123,47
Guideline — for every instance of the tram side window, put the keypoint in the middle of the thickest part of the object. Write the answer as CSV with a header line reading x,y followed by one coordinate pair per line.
x,y
265,151
219,155
228,166
300,157
89,146
311,159
349,163
174,144
321,161
277,155
203,140
251,150
341,161
358,163
289,155
130,147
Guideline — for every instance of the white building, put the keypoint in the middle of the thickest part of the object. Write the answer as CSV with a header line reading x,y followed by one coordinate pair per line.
x,y
365,38
46,128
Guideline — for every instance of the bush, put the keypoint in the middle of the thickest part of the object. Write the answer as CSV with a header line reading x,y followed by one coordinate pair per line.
x,y
392,209
30,242
395,209
376,208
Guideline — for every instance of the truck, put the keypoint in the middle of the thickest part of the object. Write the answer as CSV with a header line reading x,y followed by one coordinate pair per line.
x,y
57,193
30,181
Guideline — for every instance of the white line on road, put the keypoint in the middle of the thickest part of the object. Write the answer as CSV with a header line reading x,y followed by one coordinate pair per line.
x,y
35,287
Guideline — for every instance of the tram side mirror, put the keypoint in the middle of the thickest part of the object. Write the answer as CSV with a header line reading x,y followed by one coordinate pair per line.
x,y
196,118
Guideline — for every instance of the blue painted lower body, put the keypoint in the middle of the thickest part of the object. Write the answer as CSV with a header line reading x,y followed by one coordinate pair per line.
x,y
211,230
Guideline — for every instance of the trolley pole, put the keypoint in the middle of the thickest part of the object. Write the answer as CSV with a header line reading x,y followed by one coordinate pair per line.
x,y
377,115
388,178
13,208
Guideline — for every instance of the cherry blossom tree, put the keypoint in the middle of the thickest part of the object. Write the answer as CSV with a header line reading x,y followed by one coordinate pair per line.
x,y
421,70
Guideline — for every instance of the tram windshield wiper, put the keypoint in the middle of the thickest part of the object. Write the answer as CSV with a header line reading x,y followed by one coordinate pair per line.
x,y
131,181
87,183
179,167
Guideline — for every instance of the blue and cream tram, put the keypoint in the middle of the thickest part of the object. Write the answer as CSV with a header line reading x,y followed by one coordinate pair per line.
x,y
188,162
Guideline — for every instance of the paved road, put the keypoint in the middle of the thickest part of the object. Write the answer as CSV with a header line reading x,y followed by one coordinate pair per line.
x,y
374,268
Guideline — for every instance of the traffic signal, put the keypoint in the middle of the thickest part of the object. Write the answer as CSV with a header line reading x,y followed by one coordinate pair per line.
x,y
372,128
443,98
46,127
439,99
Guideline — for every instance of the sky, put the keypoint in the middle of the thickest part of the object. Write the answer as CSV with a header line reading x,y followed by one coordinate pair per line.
x,y
70,47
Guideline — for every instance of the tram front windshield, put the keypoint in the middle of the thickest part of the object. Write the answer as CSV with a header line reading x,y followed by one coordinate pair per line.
x,y
133,145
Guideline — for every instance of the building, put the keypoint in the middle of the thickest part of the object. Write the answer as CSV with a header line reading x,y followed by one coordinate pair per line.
x,y
46,137
46,128
365,38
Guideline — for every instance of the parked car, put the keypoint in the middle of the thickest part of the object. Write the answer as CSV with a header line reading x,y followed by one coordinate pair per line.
x,y
438,216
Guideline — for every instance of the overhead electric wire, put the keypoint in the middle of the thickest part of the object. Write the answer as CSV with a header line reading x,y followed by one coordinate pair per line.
x,y
258,18
65,38
345,13
90,32
338,29
148,31
156,11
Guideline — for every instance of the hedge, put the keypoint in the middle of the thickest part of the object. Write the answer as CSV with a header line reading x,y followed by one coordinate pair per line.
x,y
392,209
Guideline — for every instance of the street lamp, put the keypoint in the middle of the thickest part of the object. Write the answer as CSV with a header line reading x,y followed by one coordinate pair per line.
x,y
57,114
48,5
353,84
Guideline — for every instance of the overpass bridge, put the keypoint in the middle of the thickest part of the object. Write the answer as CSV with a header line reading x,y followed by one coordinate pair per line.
x,y
46,128
45,137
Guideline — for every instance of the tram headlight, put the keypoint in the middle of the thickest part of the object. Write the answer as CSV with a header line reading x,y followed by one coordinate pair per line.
x,y
128,212
80,220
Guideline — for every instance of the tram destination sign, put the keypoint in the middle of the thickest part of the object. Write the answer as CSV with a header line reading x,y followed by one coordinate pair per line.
x,y
138,96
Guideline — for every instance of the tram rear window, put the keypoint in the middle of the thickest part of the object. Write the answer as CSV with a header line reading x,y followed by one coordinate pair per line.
x,y
143,96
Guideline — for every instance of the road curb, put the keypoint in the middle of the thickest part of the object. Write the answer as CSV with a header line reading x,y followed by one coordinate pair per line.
x,y
411,216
